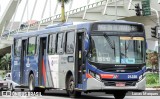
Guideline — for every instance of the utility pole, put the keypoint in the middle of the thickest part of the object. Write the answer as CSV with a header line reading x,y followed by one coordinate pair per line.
x,y
115,9
158,31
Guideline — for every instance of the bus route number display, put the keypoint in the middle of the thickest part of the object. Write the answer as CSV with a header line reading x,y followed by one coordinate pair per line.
x,y
117,28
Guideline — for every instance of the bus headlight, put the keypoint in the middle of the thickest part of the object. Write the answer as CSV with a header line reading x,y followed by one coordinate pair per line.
x,y
94,75
140,77
98,77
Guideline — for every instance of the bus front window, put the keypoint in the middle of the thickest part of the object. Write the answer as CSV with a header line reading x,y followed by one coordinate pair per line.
x,y
104,49
116,50
132,50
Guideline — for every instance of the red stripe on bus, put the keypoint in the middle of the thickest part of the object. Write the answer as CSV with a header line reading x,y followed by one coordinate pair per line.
x,y
109,76
44,71
88,76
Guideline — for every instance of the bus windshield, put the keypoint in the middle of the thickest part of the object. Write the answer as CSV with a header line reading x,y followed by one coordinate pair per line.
x,y
116,49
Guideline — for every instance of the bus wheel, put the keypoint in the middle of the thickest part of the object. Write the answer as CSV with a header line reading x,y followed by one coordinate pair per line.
x,y
22,89
31,82
70,88
119,95
42,91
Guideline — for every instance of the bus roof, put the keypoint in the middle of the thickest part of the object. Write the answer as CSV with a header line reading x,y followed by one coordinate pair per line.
x,y
69,25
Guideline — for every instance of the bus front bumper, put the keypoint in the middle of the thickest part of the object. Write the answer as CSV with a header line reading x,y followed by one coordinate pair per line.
x,y
94,84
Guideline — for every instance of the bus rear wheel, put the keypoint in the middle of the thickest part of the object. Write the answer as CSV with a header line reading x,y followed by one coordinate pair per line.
x,y
119,95
31,83
42,90
70,88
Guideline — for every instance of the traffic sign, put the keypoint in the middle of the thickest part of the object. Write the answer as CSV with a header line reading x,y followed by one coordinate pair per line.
x,y
146,10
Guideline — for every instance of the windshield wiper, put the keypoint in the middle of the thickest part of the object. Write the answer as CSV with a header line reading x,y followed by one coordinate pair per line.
x,y
112,45
109,41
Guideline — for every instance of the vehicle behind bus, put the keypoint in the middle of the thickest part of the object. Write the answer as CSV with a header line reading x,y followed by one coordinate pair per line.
x,y
86,57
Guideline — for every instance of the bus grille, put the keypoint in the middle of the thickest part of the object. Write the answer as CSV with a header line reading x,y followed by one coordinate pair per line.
x,y
118,68
113,83
122,70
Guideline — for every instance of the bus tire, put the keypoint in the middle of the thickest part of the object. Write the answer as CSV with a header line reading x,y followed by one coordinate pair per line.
x,y
42,90
31,83
119,95
22,89
70,88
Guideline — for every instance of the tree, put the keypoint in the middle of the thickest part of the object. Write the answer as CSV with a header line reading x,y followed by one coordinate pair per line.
x,y
5,62
63,19
153,60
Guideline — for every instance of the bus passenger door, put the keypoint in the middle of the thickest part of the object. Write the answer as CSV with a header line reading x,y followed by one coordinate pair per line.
x,y
79,58
42,61
16,61
22,63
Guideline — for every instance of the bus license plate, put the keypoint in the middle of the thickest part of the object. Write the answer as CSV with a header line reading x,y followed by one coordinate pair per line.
x,y
120,84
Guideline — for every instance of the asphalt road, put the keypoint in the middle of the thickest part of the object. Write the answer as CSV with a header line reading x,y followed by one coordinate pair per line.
x,y
62,95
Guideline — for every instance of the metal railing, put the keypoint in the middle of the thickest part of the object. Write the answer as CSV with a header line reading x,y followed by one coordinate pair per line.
x,y
53,18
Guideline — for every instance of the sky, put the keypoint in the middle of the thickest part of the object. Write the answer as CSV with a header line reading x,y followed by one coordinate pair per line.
x,y
39,8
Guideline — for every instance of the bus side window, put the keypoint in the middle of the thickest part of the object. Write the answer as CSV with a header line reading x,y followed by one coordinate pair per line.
x,y
69,47
31,46
17,47
52,44
60,43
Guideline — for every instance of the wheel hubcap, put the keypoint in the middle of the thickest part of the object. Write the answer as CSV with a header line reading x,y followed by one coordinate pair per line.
x,y
71,86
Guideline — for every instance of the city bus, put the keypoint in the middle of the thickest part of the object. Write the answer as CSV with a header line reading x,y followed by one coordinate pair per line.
x,y
103,56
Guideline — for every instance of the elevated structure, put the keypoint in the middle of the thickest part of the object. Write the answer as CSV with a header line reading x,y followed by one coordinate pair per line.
x,y
8,13
100,10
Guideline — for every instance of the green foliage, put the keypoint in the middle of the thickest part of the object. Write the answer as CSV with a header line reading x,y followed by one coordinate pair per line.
x,y
31,49
5,62
2,73
152,78
63,18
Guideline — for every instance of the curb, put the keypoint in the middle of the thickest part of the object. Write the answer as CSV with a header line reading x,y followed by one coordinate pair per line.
x,y
152,89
